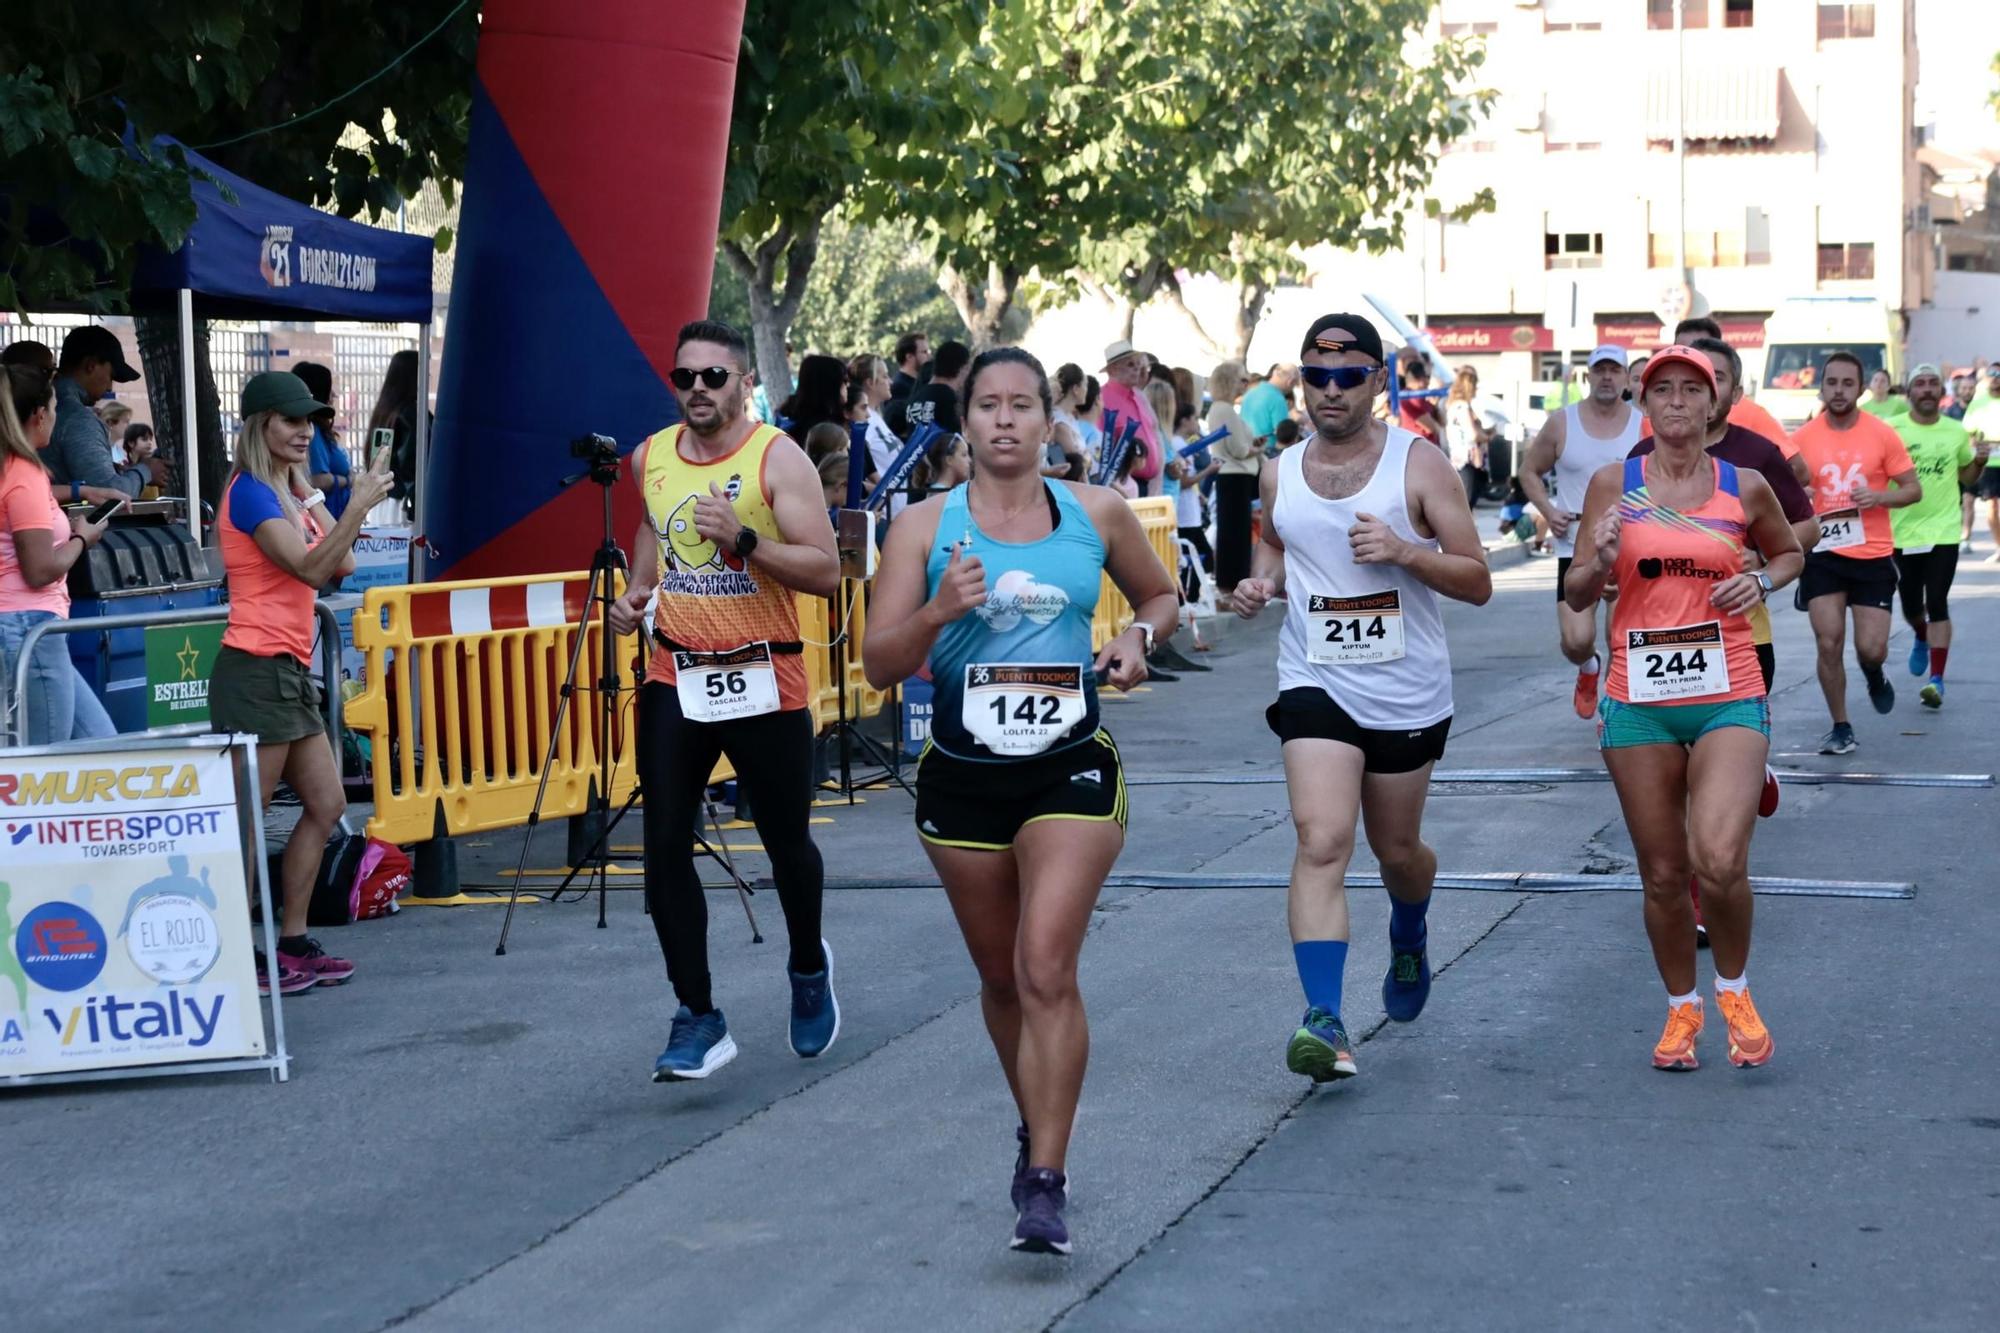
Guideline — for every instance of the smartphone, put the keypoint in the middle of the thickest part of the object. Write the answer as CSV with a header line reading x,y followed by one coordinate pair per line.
x,y
105,510
381,442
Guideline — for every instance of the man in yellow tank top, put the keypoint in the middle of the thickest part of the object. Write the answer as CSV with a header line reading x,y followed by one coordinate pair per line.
x,y
735,526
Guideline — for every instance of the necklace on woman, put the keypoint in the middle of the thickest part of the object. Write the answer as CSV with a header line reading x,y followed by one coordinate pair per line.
x,y
1013,513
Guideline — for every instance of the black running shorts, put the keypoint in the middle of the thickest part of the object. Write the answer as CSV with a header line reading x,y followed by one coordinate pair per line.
x,y
1866,582
983,805
1306,713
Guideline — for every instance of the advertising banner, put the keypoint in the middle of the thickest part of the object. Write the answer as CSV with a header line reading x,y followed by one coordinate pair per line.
x,y
125,936
179,661
381,557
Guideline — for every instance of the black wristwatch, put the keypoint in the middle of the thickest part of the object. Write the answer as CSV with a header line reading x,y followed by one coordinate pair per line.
x,y
746,542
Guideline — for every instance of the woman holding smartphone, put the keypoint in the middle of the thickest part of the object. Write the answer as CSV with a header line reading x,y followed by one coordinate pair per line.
x,y
280,544
39,544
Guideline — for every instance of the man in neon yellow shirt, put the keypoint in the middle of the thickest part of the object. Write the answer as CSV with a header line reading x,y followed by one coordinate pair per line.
x,y
1926,532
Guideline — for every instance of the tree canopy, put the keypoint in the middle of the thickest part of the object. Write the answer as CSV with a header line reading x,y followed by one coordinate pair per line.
x,y
266,90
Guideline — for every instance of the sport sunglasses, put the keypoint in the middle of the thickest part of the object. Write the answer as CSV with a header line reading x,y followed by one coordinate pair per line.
x,y
714,377
1345,377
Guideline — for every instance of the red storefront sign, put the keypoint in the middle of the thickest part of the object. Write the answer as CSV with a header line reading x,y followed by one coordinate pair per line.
x,y
1643,334
1498,337
1638,332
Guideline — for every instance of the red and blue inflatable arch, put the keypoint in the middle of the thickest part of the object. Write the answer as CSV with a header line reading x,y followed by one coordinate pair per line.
x,y
586,239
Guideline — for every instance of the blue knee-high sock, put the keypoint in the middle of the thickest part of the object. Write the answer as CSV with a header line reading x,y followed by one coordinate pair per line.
x,y
1406,923
1320,964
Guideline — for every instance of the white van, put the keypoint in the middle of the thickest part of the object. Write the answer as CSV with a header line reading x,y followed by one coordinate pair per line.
x,y
1803,331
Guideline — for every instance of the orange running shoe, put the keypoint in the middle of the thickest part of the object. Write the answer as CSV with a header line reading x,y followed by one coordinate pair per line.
x,y
1750,1043
1676,1048
1585,698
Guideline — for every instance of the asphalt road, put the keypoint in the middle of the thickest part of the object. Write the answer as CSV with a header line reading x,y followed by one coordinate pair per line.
x,y
472,1142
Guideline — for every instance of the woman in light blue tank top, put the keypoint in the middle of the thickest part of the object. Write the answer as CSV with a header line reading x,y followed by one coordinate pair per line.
x,y
1035,623
993,587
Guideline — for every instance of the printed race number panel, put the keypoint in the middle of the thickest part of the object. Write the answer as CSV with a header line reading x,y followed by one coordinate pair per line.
x,y
1350,631
1017,709
1840,530
718,687
1669,665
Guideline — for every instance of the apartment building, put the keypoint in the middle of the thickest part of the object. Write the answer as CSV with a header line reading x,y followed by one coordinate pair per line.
x,y
1800,169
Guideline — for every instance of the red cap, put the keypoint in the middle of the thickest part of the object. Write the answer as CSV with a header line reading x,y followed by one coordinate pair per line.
x,y
1678,355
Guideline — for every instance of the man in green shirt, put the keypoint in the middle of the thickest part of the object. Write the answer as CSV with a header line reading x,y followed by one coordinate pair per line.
x,y
1927,532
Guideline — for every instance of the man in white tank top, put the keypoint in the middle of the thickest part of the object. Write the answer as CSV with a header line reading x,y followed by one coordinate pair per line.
x,y
1362,534
1574,443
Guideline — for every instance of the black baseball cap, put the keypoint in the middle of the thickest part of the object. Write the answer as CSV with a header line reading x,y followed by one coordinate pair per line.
x,y
1343,333
96,342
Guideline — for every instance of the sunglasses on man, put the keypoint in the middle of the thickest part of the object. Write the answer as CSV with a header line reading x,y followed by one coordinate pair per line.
x,y
1345,377
714,377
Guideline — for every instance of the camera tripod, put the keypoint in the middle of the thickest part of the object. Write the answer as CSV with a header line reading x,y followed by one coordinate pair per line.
x,y
847,729
599,595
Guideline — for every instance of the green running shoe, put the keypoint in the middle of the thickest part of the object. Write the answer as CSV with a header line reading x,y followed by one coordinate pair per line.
x,y
1320,1049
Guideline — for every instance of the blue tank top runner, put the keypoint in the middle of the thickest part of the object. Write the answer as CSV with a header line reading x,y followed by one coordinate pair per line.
x,y
1013,678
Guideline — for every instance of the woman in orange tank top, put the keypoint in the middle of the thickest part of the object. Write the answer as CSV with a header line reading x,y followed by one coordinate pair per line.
x,y
1684,726
279,546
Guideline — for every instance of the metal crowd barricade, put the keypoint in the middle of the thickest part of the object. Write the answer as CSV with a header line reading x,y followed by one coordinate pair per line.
x,y
462,685
16,728
1114,613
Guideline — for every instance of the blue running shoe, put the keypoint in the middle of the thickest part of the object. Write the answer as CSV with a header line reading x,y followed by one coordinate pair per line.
x,y
1932,694
1019,1191
1320,1049
1920,657
696,1047
815,1012
1408,983
1039,1229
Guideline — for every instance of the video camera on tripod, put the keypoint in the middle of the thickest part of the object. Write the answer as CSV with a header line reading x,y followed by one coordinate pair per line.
x,y
601,452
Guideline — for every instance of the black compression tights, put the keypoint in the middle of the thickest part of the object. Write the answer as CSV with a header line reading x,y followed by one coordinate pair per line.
x,y
773,756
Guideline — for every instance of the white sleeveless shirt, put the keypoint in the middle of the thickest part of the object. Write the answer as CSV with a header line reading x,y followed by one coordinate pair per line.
x,y
1371,636
1583,454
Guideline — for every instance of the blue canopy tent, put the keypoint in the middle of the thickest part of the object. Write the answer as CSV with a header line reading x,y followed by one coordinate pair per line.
x,y
253,254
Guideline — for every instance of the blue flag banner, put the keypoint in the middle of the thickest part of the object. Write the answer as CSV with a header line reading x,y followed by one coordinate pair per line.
x,y
1114,457
898,472
1213,437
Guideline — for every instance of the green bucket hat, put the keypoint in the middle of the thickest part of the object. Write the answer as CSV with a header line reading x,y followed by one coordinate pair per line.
x,y
282,392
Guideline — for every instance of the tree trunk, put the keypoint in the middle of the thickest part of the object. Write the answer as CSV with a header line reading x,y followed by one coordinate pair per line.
x,y
160,351
1116,301
772,308
983,312
1251,293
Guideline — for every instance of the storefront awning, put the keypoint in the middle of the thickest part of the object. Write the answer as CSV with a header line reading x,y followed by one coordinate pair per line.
x,y
1722,102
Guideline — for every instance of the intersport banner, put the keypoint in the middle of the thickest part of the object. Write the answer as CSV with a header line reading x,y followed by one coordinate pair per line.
x,y
125,935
